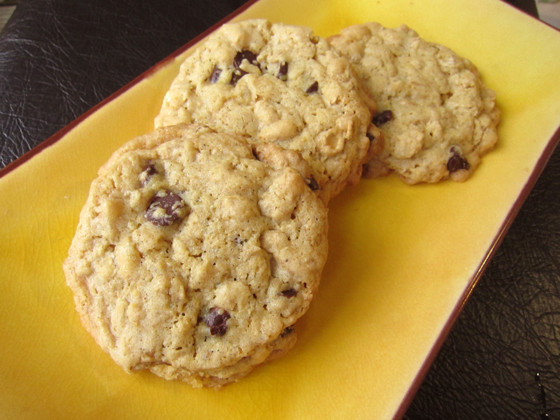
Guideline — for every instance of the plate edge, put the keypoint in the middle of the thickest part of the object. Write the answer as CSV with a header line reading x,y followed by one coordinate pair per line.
x,y
473,281
54,138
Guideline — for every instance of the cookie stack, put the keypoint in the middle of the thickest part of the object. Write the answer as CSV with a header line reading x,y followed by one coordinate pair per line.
x,y
202,243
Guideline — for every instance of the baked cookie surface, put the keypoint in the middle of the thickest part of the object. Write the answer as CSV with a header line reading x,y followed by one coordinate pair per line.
x,y
436,115
192,258
281,84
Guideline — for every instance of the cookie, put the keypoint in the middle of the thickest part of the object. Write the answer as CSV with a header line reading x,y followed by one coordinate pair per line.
x,y
281,84
192,258
437,116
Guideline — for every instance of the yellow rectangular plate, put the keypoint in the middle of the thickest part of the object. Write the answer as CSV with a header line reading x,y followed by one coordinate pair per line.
x,y
402,261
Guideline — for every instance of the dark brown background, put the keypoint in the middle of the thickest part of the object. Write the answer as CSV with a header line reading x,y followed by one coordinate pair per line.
x,y
501,360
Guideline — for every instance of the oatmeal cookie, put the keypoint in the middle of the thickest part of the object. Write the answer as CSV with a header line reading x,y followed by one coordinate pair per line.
x,y
281,84
437,116
192,258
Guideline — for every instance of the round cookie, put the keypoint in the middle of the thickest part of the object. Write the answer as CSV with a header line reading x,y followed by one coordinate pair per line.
x,y
281,84
436,115
192,258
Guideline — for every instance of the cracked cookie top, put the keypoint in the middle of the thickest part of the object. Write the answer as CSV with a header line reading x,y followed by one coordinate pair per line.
x,y
193,257
436,115
281,84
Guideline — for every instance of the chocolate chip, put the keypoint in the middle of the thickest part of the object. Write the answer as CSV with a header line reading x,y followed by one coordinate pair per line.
x,y
457,162
165,208
312,183
382,117
149,171
215,76
216,319
236,75
291,292
287,331
283,71
313,88
245,55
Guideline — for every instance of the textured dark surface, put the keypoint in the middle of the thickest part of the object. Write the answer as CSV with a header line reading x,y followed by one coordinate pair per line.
x,y
501,360
58,58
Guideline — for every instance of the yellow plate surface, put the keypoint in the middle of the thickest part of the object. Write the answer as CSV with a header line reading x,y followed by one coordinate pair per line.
x,y
402,259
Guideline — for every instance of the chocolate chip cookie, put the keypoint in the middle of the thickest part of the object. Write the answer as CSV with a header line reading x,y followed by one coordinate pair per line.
x,y
437,116
193,258
281,84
